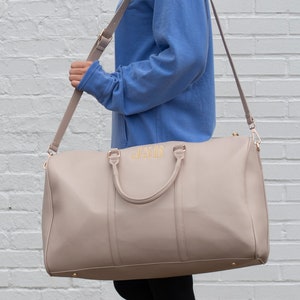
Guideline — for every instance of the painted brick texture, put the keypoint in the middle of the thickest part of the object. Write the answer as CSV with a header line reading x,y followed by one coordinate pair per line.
x,y
39,40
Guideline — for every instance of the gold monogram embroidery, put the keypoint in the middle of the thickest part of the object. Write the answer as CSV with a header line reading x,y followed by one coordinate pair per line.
x,y
147,152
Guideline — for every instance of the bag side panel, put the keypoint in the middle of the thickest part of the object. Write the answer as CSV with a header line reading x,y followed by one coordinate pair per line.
x,y
47,218
257,203
216,217
79,236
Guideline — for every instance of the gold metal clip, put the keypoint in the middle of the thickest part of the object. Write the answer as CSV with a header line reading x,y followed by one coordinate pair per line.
x,y
256,138
50,153
46,162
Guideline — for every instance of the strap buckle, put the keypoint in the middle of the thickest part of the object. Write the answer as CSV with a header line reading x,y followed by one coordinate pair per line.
x,y
103,41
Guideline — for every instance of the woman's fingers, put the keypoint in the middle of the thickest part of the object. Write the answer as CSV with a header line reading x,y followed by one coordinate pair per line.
x,y
77,71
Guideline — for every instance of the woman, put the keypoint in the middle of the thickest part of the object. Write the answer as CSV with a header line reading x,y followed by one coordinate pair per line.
x,y
162,90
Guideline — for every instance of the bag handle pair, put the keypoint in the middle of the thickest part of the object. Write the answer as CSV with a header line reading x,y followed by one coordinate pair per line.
x,y
102,42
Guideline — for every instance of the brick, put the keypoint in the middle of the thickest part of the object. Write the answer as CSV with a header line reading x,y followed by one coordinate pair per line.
x,y
284,212
277,232
259,109
21,163
279,129
228,88
254,274
38,279
294,26
5,84
4,201
4,240
293,150
291,273
20,182
268,129
275,192
20,67
278,88
27,202
11,220
32,8
31,86
20,294
235,6
286,251
272,151
294,67
33,49
20,259
224,291
207,277
20,27
54,66
258,26
282,171
220,66
4,279
294,109
26,240
277,45
83,283
293,192
260,67
74,294
16,142
293,231
237,46
108,291
277,291
4,9
277,6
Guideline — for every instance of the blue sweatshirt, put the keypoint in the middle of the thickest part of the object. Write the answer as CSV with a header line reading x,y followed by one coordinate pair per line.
x,y
163,86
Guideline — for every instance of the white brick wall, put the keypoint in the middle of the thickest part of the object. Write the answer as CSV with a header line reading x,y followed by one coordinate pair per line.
x,y
38,41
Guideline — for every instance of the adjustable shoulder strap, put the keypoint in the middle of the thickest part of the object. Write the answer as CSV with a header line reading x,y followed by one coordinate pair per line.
x,y
249,118
102,42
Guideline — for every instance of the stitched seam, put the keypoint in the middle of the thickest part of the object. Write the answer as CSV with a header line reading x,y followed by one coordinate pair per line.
x,y
247,202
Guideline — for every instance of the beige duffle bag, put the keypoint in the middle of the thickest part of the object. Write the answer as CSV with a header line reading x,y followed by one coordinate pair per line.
x,y
153,211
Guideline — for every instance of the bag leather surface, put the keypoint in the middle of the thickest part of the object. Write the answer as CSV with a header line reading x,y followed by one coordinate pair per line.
x,y
153,211
212,217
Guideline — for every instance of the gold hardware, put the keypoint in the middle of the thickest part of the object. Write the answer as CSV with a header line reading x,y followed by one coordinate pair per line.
x,y
75,274
235,133
179,151
50,153
46,162
114,156
179,147
233,264
256,138
116,153
100,36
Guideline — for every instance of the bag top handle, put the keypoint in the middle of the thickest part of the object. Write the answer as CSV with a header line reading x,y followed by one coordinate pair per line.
x,y
100,45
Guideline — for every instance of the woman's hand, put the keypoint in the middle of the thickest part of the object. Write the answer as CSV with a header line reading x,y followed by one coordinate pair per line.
x,y
77,71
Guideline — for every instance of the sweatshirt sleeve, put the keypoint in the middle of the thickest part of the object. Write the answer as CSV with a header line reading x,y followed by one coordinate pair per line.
x,y
181,33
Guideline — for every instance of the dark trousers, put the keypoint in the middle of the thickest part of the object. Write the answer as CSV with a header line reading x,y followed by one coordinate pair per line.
x,y
174,288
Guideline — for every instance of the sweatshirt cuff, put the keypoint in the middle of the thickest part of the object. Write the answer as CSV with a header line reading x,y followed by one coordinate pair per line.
x,y
96,81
